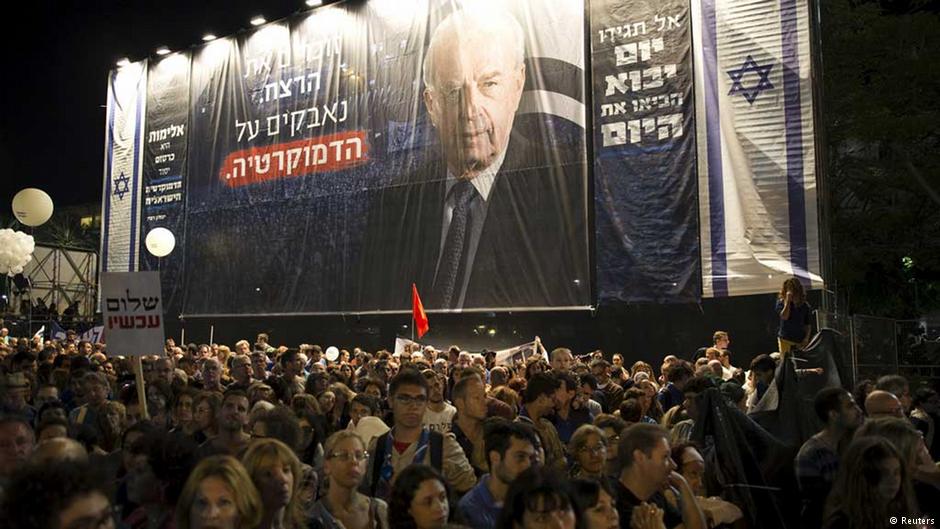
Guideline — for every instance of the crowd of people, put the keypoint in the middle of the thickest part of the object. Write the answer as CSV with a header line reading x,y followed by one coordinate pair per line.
x,y
265,437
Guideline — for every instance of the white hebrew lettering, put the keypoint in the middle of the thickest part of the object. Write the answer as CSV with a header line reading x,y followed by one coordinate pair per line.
x,y
669,122
358,144
319,153
262,163
614,134
276,129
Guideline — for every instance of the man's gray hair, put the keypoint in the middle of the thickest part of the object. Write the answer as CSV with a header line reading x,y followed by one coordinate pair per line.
x,y
483,17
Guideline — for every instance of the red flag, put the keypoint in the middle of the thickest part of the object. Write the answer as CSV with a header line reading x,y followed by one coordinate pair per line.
x,y
417,312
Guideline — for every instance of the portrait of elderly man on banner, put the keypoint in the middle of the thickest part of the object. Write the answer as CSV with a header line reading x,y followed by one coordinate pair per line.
x,y
495,214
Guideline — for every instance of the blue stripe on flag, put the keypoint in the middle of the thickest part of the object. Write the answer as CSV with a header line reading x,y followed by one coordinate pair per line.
x,y
109,137
716,201
134,228
793,123
171,178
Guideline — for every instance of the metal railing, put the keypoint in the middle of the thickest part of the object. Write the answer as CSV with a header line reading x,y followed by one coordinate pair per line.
x,y
881,346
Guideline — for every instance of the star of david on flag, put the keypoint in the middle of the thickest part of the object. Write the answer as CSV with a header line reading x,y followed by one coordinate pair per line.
x,y
121,186
738,78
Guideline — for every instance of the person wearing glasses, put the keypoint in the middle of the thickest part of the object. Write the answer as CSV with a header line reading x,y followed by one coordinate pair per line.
x,y
588,450
343,507
411,442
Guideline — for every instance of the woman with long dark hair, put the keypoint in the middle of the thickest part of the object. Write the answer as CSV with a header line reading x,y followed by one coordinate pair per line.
x,y
540,498
795,316
419,500
925,478
598,502
872,486
339,414
155,478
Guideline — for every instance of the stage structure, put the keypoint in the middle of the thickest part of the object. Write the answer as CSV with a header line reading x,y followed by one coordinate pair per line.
x,y
60,277
521,155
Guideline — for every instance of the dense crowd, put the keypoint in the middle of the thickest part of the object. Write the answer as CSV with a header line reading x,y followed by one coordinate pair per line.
x,y
265,437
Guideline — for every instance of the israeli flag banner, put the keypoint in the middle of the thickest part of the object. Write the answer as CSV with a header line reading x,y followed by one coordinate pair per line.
x,y
756,158
120,209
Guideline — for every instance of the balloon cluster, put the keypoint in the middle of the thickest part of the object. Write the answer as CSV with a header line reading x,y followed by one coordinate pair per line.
x,y
16,250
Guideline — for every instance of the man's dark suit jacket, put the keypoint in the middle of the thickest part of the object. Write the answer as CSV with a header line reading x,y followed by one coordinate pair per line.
x,y
533,249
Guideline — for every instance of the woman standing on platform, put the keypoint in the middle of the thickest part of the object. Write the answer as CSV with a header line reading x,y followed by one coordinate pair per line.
x,y
795,316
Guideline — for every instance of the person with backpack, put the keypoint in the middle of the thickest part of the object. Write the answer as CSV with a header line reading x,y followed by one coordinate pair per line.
x,y
410,442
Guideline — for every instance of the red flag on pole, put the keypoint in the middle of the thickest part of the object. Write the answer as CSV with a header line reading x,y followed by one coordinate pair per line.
x,y
417,312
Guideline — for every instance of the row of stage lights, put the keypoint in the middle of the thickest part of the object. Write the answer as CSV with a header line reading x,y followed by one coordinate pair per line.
x,y
208,37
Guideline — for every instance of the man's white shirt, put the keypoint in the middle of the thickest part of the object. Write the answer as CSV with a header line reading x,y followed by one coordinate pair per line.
x,y
439,421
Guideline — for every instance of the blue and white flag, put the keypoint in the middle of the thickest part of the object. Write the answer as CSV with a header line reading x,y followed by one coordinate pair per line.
x,y
120,231
756,159
56,331
93,335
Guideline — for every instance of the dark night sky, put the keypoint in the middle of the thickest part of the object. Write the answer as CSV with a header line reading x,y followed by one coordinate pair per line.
x,y
55,79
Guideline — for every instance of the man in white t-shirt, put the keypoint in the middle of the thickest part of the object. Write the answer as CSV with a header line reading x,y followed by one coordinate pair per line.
x,y
439,414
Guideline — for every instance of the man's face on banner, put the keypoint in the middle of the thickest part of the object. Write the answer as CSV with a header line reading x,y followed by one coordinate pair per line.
x,y
476,89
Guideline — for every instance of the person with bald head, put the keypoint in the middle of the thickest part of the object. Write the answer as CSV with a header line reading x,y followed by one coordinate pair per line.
x,y
494,220
59,450
898,386
880,403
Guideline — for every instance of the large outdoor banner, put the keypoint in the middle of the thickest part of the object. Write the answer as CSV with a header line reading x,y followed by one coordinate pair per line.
x,y
756,164
644,142
120,201
338,156
165,148
326,162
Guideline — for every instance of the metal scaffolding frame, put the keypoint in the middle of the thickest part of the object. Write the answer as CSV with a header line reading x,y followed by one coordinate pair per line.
x,y
59,276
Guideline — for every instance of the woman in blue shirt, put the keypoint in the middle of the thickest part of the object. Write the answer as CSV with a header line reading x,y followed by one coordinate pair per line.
x,y
795,316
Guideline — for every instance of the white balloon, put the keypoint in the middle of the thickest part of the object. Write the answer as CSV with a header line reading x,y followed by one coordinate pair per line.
x,y
332,353
32,206
160,242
